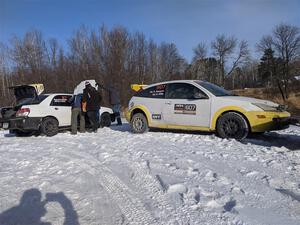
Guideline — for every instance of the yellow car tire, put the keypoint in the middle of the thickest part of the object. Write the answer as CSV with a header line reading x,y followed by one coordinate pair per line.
x,y
232,125
139,123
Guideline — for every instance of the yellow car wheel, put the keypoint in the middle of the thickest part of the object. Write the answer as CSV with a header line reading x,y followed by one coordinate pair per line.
x,y
232,125
139,123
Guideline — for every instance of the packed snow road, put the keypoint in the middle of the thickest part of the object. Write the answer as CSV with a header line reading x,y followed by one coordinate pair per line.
x,y
116,177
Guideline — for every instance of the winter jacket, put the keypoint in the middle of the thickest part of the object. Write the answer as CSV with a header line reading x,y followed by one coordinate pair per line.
x,y
114,97
92,98
76,101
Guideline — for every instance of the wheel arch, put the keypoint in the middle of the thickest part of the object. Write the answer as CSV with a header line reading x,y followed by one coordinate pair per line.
x,y
223,111
45,129
53,117
143,110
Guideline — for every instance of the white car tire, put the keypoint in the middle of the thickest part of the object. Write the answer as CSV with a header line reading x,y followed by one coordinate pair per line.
x,y
49,126
105,120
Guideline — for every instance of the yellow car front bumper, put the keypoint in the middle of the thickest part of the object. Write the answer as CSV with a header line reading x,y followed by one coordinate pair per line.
x,y
267,121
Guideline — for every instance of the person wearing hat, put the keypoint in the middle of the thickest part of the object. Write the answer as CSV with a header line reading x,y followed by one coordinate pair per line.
x,y
91,104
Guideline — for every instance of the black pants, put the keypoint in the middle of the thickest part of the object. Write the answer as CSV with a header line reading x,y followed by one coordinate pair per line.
x,y
92,115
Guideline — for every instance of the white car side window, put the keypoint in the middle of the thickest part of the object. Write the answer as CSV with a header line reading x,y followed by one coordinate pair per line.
x,y
158,91
184,91
61,100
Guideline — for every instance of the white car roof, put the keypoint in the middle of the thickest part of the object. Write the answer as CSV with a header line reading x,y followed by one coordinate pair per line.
x,y
58,94
173,81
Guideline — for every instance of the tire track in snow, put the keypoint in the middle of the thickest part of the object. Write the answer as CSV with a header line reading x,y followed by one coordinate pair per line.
x,y
143,179
132,208
227,176
183,214
152,187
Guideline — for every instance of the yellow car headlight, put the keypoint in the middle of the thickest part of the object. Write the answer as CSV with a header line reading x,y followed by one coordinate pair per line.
x,y
265,107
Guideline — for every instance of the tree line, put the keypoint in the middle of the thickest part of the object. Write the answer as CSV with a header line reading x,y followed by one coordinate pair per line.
x,y
119,57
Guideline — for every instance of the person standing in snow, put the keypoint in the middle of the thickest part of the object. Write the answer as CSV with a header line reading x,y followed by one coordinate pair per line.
x,y
76,102
91,104
114,100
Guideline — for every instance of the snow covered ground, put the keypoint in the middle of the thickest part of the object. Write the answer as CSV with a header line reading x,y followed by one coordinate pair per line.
x,y
116,177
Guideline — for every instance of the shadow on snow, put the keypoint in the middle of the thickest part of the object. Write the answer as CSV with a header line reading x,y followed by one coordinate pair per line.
x,y
31,209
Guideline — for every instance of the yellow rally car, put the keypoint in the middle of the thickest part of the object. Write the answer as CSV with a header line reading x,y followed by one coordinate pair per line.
x,y
203,106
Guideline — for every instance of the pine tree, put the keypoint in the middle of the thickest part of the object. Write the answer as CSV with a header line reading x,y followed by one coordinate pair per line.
x,y
271,71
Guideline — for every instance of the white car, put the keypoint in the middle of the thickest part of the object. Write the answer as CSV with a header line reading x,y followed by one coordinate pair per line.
x,y
46,113
200,105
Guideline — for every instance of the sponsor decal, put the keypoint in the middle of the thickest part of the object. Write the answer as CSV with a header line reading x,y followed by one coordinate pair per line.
x,y
60,99
156,116
185,109
158,91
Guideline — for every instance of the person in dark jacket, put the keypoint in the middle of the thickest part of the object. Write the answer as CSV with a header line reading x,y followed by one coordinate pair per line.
x,y
114,100
91,104
76,102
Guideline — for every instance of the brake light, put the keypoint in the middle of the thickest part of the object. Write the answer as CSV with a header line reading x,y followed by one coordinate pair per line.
x,y
23,112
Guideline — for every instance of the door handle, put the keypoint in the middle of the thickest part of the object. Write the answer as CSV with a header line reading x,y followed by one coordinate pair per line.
x,y
56,108
168,103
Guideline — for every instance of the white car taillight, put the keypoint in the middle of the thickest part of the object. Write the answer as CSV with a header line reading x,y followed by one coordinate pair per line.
x,y
23,112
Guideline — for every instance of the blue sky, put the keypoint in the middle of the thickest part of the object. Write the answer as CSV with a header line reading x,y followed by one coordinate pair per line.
x,y
183,22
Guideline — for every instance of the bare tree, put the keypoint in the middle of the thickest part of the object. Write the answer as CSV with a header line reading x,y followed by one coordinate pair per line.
x,y
29,53
53,52
200,51
153,61
3,69
285,42
265,43
241,57
223,47
172,65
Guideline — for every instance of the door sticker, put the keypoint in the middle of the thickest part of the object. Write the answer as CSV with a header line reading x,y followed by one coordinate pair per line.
x,y
185,109
156,116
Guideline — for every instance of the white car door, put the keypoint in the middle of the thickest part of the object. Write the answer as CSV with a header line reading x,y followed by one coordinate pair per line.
x,y
60,108
186,105
153,98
